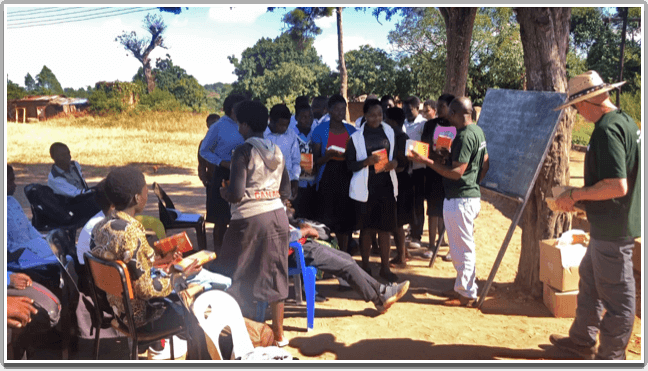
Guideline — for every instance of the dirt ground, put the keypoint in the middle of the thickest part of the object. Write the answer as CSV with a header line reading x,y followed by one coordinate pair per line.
x,y
510,325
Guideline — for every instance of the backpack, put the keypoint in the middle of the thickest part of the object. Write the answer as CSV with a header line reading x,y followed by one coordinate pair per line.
x,y
49,210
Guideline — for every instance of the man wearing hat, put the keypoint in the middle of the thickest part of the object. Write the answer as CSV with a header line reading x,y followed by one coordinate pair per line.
x,y
612,199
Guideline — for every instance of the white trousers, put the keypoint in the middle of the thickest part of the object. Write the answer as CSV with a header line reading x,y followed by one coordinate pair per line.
x,y
459,216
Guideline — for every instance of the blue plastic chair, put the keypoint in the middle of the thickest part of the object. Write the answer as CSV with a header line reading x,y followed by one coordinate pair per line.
x,y
308,273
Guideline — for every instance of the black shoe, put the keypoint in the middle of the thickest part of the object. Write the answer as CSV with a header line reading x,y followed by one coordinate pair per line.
x,y
393,292
391,277
567,344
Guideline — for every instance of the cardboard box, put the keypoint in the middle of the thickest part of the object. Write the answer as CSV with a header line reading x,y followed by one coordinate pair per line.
x,y
636,255
552,271
561,304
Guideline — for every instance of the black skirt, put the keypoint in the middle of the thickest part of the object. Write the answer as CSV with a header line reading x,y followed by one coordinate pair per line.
x,y
378,213
304,203
434,193
405,201
334,206
218,210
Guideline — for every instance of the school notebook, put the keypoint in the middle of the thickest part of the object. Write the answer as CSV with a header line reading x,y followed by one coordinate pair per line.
x,y
178,242
202,256
421,148
382,163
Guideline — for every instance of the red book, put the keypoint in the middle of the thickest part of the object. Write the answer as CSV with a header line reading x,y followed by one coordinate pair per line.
x,y
384,160
177,242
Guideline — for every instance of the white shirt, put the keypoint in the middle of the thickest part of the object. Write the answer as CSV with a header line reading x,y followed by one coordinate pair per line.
x,y
83,244
414,130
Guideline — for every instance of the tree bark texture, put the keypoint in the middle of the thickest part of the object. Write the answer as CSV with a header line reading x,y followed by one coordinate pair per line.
x,y
459,27
343,71
148,75
545,41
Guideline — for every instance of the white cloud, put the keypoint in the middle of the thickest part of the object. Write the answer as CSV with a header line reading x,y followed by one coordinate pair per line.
x,y
327,47
326,22
238,14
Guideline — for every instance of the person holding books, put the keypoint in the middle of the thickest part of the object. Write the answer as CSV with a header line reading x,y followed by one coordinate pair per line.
x,y
414,127
434,194
405,202
374,186
330,139
217,147
304,202
462,202
255,246
279,134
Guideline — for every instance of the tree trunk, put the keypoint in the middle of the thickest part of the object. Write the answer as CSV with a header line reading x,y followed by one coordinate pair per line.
x,y
342,67
459,27
545,41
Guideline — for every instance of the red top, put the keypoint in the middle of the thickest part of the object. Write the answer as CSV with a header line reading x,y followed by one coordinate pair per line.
x,y
339,140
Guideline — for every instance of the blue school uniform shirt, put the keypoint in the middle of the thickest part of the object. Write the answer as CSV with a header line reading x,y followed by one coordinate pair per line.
x,y
289,145
220,141
320,136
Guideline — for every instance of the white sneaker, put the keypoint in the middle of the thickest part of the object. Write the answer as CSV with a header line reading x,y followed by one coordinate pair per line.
x,y
428,254
414,244
179,348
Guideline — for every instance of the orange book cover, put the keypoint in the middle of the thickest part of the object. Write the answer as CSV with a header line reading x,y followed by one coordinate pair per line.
x,y
421,148
202,256
306,161
444,142
380,165
177,242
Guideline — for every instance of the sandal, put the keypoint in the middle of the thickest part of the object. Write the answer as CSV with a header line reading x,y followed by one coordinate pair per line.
x,y
282,343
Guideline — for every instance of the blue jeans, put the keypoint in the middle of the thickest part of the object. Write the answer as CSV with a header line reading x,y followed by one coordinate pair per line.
x,y
210,280
606,282
459,217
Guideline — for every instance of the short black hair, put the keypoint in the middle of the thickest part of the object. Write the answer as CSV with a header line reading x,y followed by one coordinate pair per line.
x,y
254,114
413,101
301,100
101,197
300,108
431,103
320,101
122,184
279,111
386,98
397,114
230,101
55,146
335,99
447,98
370,103
10,169
212,118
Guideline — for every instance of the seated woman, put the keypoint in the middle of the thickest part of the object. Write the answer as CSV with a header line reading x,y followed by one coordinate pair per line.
x,y
119,236
255,246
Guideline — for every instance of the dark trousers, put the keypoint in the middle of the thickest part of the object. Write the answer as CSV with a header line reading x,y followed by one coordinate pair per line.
x,y
342,265
416,227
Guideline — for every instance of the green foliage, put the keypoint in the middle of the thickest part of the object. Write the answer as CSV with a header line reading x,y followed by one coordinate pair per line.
x,y
284,84
370,71
160,100
582,131
47,83
114,97
301,24
30,83
15,91
630,104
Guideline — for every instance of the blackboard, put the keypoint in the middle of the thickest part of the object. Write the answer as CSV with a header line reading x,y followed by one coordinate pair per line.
x,y
518,126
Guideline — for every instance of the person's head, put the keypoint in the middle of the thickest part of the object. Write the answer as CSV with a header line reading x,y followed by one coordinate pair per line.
x,y
411,107
102,198
229,104
460,112
588,93
387,101
319,107
337,107
212,118
11,181
301,100
304,116
429,109
372,110
395,117
279,118
125,188
443,104
252,118
60,153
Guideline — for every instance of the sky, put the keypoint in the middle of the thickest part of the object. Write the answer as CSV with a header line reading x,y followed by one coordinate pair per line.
x,y
199,39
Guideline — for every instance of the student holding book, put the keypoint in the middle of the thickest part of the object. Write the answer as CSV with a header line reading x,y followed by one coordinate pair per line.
x,y
255,247
374,186
278,132
330,139
304,202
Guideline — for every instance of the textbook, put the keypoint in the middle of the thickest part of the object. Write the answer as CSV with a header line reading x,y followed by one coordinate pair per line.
x,y
443,142
178,242
202,256
421,148
380,165
337,148
306,162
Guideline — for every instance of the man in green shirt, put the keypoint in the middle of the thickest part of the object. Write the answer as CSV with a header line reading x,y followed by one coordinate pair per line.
x,y
462,197
612,198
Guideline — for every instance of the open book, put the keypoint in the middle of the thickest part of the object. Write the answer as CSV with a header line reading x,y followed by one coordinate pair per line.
x,y
337,148
421,148
380,165
202,257
178,242
182,217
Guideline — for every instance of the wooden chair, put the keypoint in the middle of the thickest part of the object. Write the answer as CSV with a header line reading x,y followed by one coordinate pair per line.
x,y
174,219
113,278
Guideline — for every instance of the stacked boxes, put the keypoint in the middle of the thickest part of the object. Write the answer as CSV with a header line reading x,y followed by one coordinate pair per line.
x,y
560,285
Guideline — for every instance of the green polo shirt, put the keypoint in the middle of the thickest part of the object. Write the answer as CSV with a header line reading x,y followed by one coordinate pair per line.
x,y
469,146
614,151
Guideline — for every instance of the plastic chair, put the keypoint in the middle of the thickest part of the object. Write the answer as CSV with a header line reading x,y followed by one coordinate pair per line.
x,y
301,271
152,223
113,278
169,217
225,312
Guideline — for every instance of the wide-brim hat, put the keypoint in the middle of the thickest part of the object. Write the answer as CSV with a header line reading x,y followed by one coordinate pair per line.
x,y
585,86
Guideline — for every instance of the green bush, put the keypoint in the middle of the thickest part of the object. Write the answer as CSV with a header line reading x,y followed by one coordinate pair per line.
x,y
103,103
159,100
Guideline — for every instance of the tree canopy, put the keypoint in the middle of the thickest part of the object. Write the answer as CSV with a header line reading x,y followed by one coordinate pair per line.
x,y
47,83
